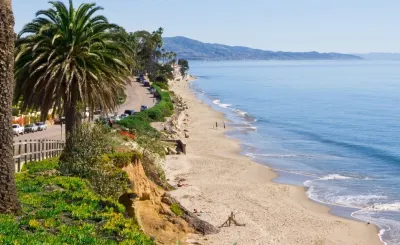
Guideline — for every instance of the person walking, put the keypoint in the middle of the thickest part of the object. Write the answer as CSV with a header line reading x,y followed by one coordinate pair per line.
x,y
224,124
216,125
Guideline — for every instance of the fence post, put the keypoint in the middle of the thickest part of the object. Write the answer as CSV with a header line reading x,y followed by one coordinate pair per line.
x,y
19,153
52,149
39,149
26,151
19,165
30,150
45,149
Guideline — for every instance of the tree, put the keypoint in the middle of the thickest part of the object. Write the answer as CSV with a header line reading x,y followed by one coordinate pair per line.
x,y
8,190
149,45
69,58
184,66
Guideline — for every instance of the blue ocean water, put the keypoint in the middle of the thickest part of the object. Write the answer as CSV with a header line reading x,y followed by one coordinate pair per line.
x,y
332,126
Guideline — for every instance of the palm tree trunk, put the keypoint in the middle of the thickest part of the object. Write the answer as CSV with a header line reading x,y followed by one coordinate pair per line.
x,y
8,190
72,114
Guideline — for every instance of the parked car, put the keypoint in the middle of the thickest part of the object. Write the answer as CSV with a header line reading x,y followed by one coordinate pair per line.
x,y
129,112
143,108
17,129
123,116
41,126
31,128
114,119
146,84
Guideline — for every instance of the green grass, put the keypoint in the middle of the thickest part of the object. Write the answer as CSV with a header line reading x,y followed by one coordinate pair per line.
x,y
176,209
64,210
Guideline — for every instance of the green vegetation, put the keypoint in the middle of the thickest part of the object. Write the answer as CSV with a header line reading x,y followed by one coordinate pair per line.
x,y
162,85
176,209
85,157
121,159
184,66
64,210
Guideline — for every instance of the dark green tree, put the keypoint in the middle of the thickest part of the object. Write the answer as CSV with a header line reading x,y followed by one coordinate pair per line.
x,y
69,58
184,66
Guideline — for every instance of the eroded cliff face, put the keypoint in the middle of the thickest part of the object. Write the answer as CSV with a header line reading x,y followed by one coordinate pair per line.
x,y
144,188
154,216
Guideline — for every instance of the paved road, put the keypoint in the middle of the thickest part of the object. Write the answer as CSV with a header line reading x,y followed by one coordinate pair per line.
x,y
137,96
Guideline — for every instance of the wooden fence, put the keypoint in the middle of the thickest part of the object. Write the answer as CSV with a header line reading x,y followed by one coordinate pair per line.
x,y
35,150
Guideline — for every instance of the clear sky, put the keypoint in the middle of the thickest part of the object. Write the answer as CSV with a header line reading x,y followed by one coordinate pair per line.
x,y
350,26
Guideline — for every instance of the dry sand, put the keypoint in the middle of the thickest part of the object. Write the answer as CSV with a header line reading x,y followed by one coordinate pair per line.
x,y
220,181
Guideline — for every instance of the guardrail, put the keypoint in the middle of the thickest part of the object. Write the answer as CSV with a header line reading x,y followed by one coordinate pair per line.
x,y
35,150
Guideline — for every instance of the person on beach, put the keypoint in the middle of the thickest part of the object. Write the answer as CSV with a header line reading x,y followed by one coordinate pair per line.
x,y
216,125
224,124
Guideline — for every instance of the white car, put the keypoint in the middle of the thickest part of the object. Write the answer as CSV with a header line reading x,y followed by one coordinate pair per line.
x,y
17,129
41,126
114,119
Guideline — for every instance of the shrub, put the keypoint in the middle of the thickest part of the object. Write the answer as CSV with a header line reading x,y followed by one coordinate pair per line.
x,y
121,159
155,115
176,209
140,123
83,151
26,120
109,181
161,79
35,167
162,85
84,157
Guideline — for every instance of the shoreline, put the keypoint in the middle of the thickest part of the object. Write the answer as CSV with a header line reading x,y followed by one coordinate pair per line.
x,y
274,213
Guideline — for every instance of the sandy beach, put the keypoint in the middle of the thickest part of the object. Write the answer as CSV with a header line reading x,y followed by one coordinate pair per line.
x,y
221,181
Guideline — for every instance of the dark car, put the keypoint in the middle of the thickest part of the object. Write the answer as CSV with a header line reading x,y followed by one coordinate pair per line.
x,y
143,108
129,112
146,84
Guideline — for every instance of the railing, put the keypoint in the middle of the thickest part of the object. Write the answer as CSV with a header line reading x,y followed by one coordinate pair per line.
x,y
35,150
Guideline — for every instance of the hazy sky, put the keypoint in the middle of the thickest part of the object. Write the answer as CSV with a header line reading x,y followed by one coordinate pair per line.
x,y
350,26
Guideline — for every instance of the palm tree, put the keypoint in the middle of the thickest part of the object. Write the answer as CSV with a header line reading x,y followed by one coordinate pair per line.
x,y
69,59
8,191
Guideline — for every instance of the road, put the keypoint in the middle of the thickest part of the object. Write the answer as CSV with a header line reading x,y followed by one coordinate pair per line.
x,y
137,95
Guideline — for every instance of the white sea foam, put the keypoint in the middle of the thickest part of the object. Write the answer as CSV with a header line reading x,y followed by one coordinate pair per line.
x,y
249,128
350,201
393,207
218,102
335,177
242,113
253,155
357,201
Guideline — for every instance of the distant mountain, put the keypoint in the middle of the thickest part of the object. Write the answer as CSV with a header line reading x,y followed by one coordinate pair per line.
x,y
195,50
380,56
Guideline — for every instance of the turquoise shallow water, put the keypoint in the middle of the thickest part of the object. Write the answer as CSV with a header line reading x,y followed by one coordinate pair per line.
x,y
332,126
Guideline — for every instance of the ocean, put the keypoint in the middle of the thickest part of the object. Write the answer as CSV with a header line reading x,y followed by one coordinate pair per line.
x,y
331,126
